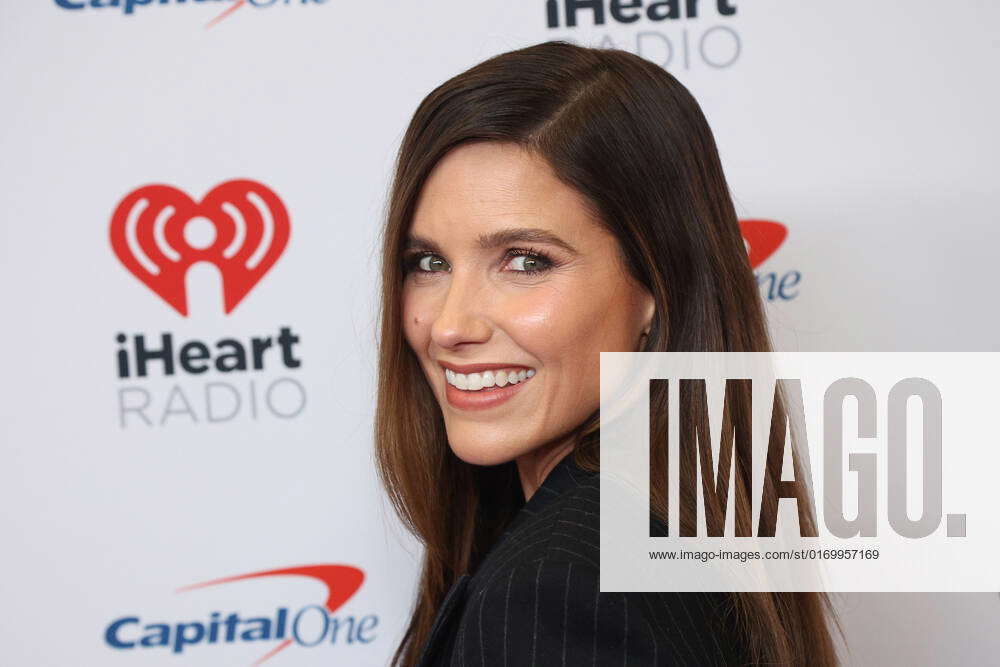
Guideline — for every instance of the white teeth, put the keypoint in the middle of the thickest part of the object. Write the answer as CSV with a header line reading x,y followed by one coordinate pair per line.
x,y
477,381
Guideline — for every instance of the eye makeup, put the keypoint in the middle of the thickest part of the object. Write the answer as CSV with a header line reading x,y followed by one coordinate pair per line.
x,y
411,260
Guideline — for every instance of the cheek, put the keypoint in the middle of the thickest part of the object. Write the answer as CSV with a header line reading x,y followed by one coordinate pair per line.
x,y
555,325
567,326
416,321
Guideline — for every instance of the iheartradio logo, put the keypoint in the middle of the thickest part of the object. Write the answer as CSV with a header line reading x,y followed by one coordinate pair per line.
x,y
240,226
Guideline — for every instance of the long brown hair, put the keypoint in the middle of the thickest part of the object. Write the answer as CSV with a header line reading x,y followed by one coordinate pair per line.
x,y
630,137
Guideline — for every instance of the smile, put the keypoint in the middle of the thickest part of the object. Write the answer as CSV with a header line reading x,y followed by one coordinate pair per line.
x,y
487,379
485,389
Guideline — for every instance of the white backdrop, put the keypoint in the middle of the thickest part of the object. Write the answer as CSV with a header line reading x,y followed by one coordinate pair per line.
x,y
867,130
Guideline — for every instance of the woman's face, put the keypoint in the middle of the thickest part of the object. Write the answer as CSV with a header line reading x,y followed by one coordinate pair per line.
x,y
506,268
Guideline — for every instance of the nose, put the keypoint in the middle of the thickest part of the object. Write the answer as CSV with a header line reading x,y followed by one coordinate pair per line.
x,y
462,318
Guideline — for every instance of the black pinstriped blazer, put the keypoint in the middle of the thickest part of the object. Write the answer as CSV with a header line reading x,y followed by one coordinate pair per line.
x,y
535,599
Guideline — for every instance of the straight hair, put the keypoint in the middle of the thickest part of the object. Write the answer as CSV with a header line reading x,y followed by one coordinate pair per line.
x,y
632,139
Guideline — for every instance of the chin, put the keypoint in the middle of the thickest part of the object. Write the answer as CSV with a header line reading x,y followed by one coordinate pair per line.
x,y
480,455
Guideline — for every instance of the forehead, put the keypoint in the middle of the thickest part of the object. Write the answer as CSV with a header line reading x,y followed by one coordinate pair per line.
x,y
487,186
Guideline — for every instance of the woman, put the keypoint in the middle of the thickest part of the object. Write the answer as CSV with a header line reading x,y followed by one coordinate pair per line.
x,y
548,204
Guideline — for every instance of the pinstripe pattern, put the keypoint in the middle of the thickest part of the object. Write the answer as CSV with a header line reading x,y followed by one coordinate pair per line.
x,y
536,601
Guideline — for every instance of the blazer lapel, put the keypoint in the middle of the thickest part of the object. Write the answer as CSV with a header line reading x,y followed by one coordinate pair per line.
x,y
450,606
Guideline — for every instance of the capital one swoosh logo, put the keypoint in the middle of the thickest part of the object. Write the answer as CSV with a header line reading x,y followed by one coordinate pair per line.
x,y
240,226
763,238
131,632
341,581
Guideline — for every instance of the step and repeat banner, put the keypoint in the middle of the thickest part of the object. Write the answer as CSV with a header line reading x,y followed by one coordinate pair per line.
x,y
186,472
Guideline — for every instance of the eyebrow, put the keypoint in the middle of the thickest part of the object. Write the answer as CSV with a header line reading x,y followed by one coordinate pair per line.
x,y
499,238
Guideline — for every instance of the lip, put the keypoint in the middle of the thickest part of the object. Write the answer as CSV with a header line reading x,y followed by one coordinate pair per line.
x,y
483,399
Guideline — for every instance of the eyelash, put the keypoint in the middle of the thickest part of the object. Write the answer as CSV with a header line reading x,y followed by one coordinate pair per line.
x,y
412,261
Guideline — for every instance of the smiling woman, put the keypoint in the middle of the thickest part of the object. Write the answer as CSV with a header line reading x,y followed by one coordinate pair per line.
x,y
549,204
507,272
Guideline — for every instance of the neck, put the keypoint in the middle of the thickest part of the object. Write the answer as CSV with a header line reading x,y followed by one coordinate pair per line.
x,y
536,465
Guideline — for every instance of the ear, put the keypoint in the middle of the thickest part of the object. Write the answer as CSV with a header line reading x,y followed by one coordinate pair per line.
x,y
648,311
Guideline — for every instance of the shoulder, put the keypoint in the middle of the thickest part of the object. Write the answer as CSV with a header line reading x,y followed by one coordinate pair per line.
x,y
567,529
552,612
537,600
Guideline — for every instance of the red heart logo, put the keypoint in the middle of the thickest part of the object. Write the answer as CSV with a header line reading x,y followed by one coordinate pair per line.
x,y
763,238
243,224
